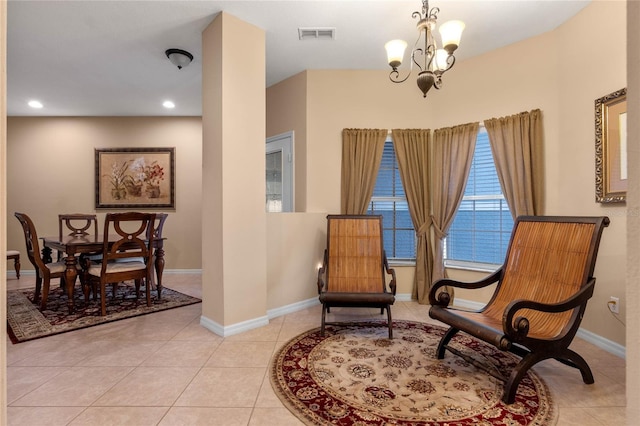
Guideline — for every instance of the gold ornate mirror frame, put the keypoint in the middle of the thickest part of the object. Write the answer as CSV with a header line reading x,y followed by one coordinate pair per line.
x,y
611,147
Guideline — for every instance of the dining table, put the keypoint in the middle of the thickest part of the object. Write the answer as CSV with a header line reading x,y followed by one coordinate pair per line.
x,y
73,245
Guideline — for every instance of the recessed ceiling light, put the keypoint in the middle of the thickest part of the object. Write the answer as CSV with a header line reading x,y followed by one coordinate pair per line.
x,y
35,104
168,104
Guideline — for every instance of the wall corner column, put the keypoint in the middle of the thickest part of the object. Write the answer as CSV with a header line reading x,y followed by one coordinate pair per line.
x,y
234,246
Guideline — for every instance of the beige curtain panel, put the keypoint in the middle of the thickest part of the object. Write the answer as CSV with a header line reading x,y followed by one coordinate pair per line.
x,y
453,150
361,156
412,152
516,143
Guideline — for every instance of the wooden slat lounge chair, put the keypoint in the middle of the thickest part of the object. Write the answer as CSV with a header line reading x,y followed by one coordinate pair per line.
x,y
541,295
353,272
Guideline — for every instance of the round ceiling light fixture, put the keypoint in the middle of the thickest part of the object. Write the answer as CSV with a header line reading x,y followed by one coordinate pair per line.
x,y
178,57
35,104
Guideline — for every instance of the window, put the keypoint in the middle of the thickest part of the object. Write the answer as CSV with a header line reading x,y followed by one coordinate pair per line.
x,y
389,200
480,232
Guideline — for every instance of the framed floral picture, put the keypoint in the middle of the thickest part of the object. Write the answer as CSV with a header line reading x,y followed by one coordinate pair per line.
x,y
135,178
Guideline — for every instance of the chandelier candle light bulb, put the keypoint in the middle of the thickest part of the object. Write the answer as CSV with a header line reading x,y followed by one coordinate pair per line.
x,y
432,61
395,52
451,32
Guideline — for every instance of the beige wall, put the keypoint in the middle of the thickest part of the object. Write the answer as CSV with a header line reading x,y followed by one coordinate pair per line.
x,y
296,244
50,170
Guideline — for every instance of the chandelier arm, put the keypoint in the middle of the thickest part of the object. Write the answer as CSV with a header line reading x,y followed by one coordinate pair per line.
x,y
431,55
433,13
397,74
438,81
450,61
415,61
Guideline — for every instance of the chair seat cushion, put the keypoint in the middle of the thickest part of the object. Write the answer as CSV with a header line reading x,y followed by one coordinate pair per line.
x,y
356,299
130,259
113,267
13,253
58,267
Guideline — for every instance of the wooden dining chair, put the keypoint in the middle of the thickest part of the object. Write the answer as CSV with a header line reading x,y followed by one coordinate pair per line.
x,y
77,225
157,234
15,256
44,271
128,257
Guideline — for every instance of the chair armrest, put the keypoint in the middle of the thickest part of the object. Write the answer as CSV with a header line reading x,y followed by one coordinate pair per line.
x,y
392,272
442,298
521,326
321,273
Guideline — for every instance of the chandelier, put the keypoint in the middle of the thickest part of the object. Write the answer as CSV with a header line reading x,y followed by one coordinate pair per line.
x,y
430,60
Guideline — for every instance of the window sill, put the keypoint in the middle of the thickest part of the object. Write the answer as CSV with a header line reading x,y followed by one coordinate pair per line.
x,y
470,266
401,262
463,266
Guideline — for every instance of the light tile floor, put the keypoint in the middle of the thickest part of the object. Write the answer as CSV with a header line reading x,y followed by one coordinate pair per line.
x,y
165,369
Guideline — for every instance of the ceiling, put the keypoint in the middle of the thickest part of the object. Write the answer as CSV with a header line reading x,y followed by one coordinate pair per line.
x,y
106,58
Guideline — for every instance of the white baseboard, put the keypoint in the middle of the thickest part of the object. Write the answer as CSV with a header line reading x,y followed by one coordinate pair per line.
x,y
403,297
232,329
605,344
182,271
293,307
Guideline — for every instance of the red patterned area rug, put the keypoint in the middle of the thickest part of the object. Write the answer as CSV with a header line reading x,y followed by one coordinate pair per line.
x,y
26,322
356,376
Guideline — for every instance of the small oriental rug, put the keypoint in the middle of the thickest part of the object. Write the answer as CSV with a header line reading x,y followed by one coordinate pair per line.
x,y
26,322
356,376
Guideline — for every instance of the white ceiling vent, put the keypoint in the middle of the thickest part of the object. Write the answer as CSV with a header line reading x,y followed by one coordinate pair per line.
x,y
321,33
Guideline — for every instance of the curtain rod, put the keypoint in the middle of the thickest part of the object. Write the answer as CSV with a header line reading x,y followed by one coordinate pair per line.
x,y
480,123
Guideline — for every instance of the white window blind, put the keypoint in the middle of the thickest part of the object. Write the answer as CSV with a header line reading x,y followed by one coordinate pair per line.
x,y
481,229
389,200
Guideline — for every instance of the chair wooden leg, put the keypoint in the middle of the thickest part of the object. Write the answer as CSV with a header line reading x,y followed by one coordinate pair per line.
x,y
103,296
36,296
137,284
147,289
325,309
86,289
574,359
390,322
511,385
444,341
16,266
45,295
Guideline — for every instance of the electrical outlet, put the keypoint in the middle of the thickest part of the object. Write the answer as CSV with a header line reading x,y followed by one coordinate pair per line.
x,y
614,305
